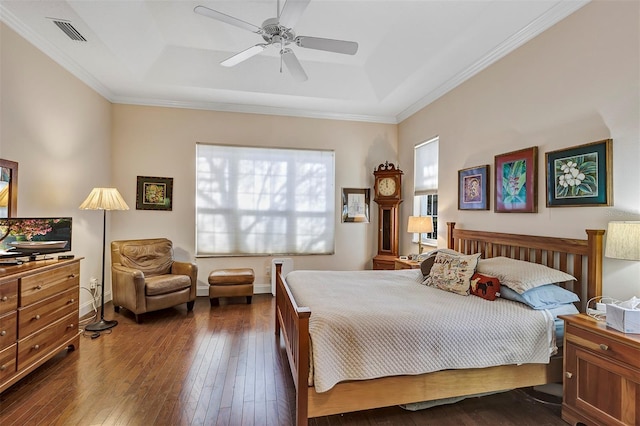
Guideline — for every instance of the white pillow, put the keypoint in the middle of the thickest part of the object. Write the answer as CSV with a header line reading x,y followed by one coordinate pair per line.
x,y
452,272
519,275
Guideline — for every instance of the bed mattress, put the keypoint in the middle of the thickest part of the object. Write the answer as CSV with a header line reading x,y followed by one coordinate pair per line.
x,y
371,324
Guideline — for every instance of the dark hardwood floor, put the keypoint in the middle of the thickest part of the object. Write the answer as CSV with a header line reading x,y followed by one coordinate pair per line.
x,y
213,366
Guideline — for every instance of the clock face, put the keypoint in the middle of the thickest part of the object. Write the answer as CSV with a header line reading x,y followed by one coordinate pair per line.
x,y
387,186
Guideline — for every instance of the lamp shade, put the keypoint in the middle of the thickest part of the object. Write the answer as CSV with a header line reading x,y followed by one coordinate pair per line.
x,y
623,240
420,224
104,199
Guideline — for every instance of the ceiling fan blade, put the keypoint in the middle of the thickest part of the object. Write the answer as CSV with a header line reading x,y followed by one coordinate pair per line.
x,y
293,65
210,13
330,45
243,56
291,12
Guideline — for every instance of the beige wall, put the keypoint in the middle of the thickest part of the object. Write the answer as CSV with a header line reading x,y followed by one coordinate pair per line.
x,y
151,141
577,82
59,131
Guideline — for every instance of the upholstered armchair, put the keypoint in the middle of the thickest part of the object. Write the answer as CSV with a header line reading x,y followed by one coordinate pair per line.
x,y
145,277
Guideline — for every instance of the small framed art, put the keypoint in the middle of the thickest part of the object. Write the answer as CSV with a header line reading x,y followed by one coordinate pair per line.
x,y
516,181
473,188
154,193
580,175
355,205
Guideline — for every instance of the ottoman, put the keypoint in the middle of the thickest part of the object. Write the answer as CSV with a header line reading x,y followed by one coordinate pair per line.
x,y
230,283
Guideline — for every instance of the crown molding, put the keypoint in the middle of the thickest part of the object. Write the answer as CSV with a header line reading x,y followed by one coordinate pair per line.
x,y
254,109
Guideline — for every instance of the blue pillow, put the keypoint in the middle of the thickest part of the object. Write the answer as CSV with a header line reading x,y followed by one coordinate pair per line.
x,y
544,297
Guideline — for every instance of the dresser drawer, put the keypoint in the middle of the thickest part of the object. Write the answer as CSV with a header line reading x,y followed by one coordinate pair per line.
x,y
8,296
44,284
8,329
7,362
47,311
602,345
41,343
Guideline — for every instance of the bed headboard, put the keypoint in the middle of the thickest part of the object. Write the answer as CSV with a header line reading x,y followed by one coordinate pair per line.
x,y
580,258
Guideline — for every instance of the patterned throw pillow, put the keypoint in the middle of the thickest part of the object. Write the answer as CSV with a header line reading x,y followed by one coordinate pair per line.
x,y
452,273
485,286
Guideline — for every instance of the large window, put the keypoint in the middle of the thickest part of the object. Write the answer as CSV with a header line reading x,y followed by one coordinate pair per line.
x,y
264,201
425,201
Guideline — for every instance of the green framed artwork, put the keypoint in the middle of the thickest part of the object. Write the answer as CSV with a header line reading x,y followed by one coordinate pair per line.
x,y
580,175
154,193
516,181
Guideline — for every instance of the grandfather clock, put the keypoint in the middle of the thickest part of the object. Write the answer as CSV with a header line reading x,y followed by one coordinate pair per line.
x,y
388,195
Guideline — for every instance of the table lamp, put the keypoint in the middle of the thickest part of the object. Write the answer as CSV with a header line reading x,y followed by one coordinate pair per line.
x,y
420,225
623,240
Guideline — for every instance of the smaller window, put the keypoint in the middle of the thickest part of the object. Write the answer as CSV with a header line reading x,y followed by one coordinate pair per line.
x,y
425,200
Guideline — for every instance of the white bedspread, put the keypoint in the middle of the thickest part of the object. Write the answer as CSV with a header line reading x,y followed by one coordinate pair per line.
x,y
370,324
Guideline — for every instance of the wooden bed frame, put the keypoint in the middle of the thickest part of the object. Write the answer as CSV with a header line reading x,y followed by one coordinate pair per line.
x,y
580,258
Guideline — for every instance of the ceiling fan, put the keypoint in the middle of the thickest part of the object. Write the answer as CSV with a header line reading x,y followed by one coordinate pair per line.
x,y
279,32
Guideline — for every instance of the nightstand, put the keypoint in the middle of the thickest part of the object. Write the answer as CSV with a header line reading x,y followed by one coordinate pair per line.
x,y
601,373
406,264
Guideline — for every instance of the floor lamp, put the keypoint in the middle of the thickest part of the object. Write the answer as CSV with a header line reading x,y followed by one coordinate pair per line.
x,y
103,199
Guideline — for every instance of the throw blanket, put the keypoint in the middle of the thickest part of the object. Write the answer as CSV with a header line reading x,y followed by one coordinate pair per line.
x,y
370,324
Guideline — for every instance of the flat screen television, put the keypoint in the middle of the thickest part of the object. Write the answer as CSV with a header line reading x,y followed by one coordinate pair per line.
x,y
34,236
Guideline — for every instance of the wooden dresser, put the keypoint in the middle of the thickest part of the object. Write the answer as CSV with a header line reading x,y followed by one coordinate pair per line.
x,y
601,374
39,312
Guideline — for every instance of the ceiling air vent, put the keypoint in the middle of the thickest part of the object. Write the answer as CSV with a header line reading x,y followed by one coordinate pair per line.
x,y
69,30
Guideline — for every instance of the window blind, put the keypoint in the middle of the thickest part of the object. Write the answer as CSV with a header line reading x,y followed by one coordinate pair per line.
x,y
264,201
426,167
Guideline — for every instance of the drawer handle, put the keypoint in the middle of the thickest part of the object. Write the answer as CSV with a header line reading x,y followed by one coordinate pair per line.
x,y
3,367
604,347
72,276
3,333
37,317
72,300
568,374
4,298
36,347
70,325
38,287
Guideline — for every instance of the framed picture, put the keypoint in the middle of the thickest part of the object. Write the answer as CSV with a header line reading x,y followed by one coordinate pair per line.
x,y
580,176
473,188
355,205
516,181
154,193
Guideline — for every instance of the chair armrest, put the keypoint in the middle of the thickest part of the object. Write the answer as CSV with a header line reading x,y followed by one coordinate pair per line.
x,y
190,269
128,287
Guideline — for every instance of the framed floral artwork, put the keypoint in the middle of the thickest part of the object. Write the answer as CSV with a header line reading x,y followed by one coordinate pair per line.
x,y
355,205
516,181
473,188
154,193
580,175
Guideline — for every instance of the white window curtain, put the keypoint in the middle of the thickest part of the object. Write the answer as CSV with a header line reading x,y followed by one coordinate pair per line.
x,y
264,201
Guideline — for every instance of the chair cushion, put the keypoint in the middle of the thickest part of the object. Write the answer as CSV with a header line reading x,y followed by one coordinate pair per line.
x,y
232,276
151,258
164,284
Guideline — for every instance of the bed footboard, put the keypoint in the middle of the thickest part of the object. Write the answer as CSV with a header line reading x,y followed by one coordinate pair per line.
x,y
292,323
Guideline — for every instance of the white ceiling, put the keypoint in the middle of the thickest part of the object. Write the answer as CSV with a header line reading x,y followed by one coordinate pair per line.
x,y
159,52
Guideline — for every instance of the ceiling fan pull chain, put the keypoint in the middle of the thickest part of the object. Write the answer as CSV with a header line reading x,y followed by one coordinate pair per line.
x,y
281,61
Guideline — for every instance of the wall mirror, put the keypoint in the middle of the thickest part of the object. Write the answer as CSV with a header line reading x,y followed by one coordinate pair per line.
x,y
8,188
